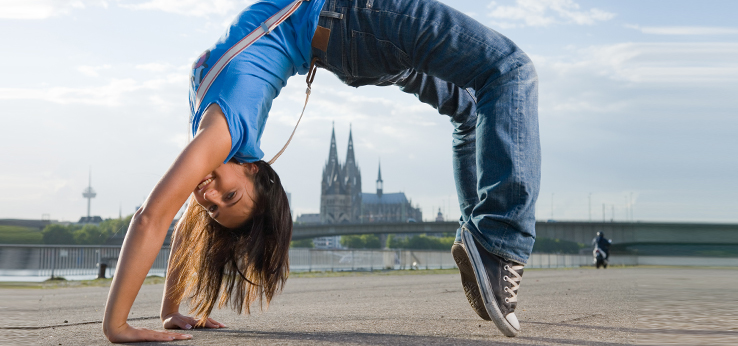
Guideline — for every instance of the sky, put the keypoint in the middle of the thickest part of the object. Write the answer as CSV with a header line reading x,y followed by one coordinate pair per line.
x,y
638,109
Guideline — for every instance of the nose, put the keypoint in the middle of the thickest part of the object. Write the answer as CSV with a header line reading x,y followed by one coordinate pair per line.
x,y
210,195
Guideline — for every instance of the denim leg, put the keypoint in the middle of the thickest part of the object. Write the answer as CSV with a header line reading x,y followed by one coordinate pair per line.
x,y
381,39
460,105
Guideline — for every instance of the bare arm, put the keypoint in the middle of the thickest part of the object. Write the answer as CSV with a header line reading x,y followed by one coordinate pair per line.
x,y
149,225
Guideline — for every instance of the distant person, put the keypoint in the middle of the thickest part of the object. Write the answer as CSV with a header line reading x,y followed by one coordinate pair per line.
x,y
231,245
600,242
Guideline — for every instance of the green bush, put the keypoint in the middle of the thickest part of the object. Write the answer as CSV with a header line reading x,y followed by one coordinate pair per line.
x,y
420,242
303,243
20,235
84,235
114,226
59,234
364,241
90,235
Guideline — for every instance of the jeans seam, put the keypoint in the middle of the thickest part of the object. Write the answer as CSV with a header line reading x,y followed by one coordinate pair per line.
x,y
470,95
518,153
343,24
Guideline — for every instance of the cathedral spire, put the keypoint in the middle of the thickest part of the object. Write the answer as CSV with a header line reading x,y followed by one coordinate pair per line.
x,y
332,175
333,153
379,181
350,159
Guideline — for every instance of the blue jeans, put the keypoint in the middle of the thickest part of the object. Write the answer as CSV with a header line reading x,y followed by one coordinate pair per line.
x,y
479,78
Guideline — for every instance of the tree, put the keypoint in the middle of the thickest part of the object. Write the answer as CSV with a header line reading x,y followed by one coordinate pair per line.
x,y
302,243
420,242
364,241
90,235
58,234
112,227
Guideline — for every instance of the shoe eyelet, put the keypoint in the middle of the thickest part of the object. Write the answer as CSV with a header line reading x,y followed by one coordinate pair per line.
x,y
506,267
507,300
506,289
504,278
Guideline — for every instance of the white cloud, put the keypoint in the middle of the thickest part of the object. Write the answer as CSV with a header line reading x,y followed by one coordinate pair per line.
x,y
111,95
684,30
42,9
155,67
197,8
544,13
92,71
675,64
22,187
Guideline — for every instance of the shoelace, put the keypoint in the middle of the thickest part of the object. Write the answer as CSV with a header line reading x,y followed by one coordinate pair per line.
x,y
515,282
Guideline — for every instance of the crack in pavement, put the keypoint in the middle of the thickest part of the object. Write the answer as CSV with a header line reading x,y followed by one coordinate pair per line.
x,y
72,324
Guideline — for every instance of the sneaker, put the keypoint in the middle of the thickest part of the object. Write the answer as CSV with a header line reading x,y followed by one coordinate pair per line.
x,y
498,280
468,281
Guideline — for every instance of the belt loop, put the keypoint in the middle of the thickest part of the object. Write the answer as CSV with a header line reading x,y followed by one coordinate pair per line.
x,y
331,14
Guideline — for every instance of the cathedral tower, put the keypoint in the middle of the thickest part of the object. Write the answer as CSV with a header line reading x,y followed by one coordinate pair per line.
x,y
352,176
380,183
335,202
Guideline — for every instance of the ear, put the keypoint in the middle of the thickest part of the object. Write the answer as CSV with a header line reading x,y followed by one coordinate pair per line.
x,y
250,168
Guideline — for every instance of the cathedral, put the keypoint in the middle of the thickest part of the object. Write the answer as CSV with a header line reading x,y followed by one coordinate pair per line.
x,y
341,199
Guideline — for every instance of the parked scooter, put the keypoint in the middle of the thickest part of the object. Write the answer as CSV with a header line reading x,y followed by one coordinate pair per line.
x,y
600,258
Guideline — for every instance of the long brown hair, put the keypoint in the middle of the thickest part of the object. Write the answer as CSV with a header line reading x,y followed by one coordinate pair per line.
x,y
239,265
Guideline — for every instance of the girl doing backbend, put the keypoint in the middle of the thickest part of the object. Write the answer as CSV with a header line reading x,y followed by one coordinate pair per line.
x,y
231,245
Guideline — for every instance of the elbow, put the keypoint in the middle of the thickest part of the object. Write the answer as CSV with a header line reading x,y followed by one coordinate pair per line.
x,y
143,222
141,219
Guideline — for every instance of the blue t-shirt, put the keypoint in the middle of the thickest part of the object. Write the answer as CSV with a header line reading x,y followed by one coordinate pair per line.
x,y
245,88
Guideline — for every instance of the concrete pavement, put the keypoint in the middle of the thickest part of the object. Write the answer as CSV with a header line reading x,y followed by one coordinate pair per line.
x,y
617,306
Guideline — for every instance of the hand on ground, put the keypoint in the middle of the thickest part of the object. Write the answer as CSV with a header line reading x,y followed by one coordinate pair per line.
x,y
131,334
179,321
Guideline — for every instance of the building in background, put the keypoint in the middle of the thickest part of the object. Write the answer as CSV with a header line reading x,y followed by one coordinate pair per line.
x,y
387,207
341,199
439,216
331,242
340,187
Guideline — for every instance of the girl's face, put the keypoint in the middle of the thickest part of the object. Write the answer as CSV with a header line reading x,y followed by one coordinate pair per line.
x,y
228,193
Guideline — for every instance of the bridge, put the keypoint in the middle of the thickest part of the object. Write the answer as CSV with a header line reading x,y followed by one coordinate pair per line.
x,y
623,233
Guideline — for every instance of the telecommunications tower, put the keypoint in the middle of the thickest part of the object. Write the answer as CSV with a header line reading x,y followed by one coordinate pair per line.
x,y
89,193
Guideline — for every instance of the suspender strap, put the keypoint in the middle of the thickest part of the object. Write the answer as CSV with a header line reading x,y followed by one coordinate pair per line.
x,y
309,80
265,28
320,41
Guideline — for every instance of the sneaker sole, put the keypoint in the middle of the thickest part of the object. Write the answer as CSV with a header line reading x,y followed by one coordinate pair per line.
x,y
468,281
488,297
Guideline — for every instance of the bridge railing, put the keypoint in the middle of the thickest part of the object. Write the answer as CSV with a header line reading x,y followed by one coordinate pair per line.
x,y
67,260
342,260
80,261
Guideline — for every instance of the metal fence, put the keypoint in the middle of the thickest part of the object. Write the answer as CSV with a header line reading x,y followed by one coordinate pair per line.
x,y
538,260
83,260
70,260
342,260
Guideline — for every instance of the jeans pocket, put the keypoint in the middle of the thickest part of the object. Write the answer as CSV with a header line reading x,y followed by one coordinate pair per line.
x,y
375,58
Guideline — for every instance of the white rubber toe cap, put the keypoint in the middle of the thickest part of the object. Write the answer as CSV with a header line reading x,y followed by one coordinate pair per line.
x,y
513,320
